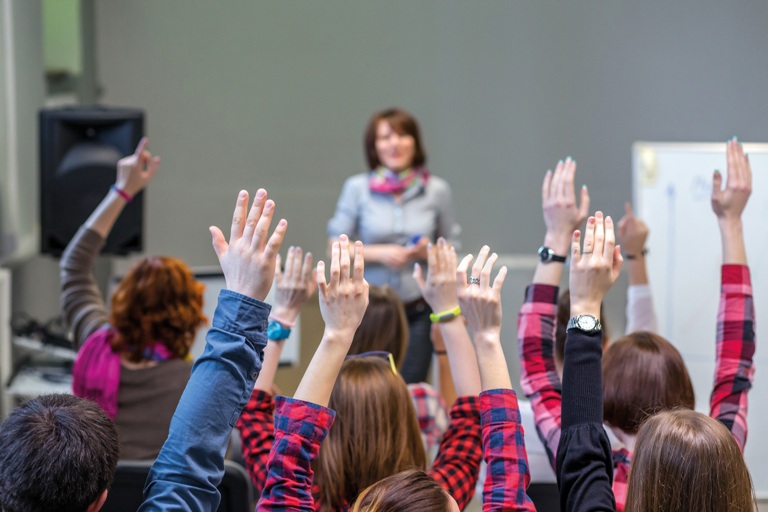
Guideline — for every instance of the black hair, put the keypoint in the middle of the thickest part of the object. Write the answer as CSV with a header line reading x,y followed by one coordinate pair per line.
x,y
57,452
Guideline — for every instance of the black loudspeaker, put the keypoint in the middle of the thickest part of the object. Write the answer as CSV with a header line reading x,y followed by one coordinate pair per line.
x,y
79,150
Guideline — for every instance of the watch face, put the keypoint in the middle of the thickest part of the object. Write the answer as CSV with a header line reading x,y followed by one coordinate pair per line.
x,y
587,322
544,253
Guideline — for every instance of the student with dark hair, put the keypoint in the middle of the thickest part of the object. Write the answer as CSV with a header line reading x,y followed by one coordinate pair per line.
x,y
57,452
395,208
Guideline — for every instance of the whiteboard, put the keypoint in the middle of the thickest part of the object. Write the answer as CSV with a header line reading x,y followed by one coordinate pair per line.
x,y
672,184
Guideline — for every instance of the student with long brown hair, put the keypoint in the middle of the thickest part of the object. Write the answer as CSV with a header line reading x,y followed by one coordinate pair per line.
x,y
643,373
681,460
377,432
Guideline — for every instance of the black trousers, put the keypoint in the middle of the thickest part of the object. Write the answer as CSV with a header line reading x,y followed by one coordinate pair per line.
x,y
418,355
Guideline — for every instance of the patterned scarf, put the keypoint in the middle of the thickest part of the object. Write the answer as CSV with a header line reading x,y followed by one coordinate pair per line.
x,y
385,181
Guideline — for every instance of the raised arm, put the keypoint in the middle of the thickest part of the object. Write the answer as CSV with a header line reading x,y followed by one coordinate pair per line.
x,y
81,301
736,317
191,463
302,423
293,287
584,463
537,321
439,290
503,439
457,464
633,233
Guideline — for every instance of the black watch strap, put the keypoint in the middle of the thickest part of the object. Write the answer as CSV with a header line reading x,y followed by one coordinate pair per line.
x,y
547,255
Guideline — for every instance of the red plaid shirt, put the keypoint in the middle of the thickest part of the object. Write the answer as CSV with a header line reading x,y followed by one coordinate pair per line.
x,y
504,452
733,376
455,468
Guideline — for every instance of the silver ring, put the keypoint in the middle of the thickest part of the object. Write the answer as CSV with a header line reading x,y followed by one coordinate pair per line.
x,y
474,280
587,252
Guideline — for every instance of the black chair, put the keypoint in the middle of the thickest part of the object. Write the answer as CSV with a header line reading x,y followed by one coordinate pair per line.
x,y
127,491
546,497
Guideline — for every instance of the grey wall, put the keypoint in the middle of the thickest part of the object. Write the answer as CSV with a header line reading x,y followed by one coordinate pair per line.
x,y
276,94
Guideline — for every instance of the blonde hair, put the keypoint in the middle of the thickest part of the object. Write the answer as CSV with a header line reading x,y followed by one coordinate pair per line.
x,y
375,434
685,461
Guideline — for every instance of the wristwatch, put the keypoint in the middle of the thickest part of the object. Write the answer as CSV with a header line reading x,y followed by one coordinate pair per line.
x,y
547,255
277,332
585,323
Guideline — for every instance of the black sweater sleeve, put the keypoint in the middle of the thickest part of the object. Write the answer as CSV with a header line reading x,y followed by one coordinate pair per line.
x,y
584,465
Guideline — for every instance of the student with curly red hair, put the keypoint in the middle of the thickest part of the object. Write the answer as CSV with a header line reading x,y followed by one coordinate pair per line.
x,y
133,362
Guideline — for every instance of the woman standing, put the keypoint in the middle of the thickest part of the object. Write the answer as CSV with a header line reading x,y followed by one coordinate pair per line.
x,y
397,208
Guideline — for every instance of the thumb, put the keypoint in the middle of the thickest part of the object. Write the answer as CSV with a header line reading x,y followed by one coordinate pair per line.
x,y
417,275
584,206
717,183
618,259
219,242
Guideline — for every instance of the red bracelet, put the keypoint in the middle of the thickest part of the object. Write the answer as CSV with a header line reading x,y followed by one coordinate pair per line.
x,y
122,193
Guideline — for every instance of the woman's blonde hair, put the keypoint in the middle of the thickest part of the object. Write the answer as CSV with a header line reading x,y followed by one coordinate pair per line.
x,y
685,461
408,491
375,434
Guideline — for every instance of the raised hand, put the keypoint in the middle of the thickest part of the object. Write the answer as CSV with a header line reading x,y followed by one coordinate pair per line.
x,y
439,288
728,204
134,172
293,286
248,260
633,232
479,299
558,201
344,299
595,268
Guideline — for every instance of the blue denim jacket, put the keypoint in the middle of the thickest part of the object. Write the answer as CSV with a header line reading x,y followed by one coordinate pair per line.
x,y
191,463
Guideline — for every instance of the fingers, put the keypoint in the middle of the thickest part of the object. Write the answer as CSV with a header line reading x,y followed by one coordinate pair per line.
x,y
418,277
589,236
141,147
461,271
717,184
261,207
306,270
545,186
297,262
335,266
583,204
276,240
599,234
732,166
154,164
344,262
432,261
485,274
569,174
482,256
557,181
618,260
320,278
219,242
610,239
238,218
628,209
358,271
575,249
278,265
499,281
